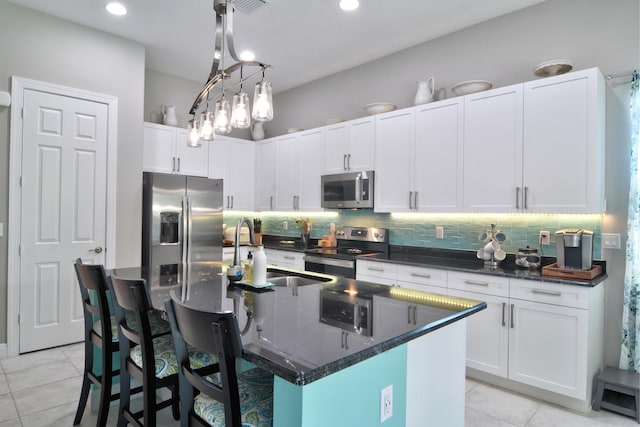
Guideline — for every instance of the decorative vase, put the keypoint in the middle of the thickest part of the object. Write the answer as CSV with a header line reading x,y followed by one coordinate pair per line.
x,y
426,90
169,115
257,131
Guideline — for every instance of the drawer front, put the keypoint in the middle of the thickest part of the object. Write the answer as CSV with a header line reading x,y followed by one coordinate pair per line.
x,y
550,293
422,276
376,269
480,283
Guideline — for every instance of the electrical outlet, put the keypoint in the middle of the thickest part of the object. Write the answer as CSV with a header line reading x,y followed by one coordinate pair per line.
x,y
285,225
386,403
545,238
439,232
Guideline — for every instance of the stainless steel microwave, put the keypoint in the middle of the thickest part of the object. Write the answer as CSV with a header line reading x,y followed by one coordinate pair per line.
x,y
352,190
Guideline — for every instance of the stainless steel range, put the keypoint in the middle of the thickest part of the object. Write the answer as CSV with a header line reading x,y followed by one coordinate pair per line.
x,y
351,242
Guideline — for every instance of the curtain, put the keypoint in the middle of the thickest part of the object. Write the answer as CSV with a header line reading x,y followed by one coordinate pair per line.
x,y
630,352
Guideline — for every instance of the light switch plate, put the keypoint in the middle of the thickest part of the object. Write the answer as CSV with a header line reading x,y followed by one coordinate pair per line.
x,y
610,241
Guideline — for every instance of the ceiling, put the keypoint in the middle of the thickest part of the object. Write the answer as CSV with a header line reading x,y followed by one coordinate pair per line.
x,y
303,40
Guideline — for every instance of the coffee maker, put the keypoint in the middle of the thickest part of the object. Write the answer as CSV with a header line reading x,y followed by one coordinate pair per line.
x,y
574,249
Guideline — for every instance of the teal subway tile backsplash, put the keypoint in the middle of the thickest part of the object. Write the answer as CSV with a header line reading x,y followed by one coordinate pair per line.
x,y
460,230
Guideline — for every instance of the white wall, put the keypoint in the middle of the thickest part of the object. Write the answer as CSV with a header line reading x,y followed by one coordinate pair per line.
x,y
590,33
48,49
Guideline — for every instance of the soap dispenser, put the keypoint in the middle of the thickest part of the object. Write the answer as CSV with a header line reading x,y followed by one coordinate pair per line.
x,y
260,266
248,269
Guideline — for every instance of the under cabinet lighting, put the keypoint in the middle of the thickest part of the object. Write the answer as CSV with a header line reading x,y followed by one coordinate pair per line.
x,y
349,4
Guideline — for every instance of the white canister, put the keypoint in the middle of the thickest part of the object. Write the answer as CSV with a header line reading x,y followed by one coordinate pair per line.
x,y
260,266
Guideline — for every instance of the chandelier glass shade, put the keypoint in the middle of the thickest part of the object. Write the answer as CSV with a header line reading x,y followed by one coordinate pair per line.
x,y
228,116
193,134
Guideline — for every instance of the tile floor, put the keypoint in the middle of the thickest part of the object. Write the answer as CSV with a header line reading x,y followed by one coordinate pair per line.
x,y
42,389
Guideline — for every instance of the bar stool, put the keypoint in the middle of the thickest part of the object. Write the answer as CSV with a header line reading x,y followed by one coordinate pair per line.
x,y
619,391
100,331
146,353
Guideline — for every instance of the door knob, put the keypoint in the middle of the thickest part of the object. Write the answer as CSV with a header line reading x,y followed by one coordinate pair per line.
x,y
96,250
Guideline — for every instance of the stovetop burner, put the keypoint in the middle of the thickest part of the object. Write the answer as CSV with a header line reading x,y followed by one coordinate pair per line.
x,y
357,241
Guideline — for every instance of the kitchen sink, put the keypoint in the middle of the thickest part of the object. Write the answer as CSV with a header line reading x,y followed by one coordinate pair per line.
x,y
292,281
289,278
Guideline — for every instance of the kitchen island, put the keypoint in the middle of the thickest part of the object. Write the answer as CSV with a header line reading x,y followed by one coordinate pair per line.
x,y
335,344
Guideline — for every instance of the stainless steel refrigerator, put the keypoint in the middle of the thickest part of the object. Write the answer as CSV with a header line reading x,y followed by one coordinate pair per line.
x,y
181,226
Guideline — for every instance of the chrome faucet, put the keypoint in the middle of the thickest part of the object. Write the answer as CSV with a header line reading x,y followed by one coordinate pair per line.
x,y
252,238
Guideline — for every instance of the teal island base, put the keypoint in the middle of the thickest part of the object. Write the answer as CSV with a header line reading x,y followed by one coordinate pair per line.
x,y
427,376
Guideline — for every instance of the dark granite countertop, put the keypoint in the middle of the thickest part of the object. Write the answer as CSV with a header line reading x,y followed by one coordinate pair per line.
x,y
286,336
466,261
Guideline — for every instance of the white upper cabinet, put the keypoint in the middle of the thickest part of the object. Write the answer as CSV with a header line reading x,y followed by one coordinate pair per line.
x,y
232,160
349,146
419,158
492,154
438,169
265,174
394,166
563,154
299,167
165,150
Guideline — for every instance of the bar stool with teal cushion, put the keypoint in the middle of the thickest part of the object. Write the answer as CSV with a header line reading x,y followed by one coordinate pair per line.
x,y
228,398
146,353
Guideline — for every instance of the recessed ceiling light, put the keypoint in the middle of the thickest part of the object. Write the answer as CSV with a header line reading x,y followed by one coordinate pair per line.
x,y
116,8
247,55
349,4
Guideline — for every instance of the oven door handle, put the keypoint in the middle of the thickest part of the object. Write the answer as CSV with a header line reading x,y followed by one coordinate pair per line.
x,y
329,261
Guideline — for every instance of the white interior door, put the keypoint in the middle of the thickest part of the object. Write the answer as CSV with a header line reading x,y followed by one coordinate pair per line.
x,y
63,215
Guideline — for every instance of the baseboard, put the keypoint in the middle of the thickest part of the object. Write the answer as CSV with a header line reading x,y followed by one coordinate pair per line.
x,y
4,353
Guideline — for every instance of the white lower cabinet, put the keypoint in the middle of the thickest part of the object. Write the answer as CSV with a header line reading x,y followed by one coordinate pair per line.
x,y
546,335
286,259
383,273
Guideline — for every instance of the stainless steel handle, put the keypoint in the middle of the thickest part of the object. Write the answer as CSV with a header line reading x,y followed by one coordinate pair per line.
x,y
349,161
231,202
545,292
178,164
375,269
415,317
227,202
97,250
271,202
425,276
289,257
190,227
185,228
473,282
410,199
415,200
524,198
504,310
346,341
359,187
173,166
513,323
294,202
517,197
344,161
408,314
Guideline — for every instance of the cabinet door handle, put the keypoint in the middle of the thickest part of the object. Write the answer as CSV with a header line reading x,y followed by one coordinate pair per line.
x,y
375,269
415,317
513,323
415,200
410,199
173,166
228,204
348,161
524,198
408,314
289,257
504,310
346,341
424,276
271,202
231,202
517,197
545,292
473,282
178,164
344,161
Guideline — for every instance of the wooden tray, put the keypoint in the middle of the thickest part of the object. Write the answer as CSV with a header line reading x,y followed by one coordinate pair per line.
x,y
554,270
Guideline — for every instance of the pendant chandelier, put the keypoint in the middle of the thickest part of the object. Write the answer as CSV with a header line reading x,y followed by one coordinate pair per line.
x,y
236,114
